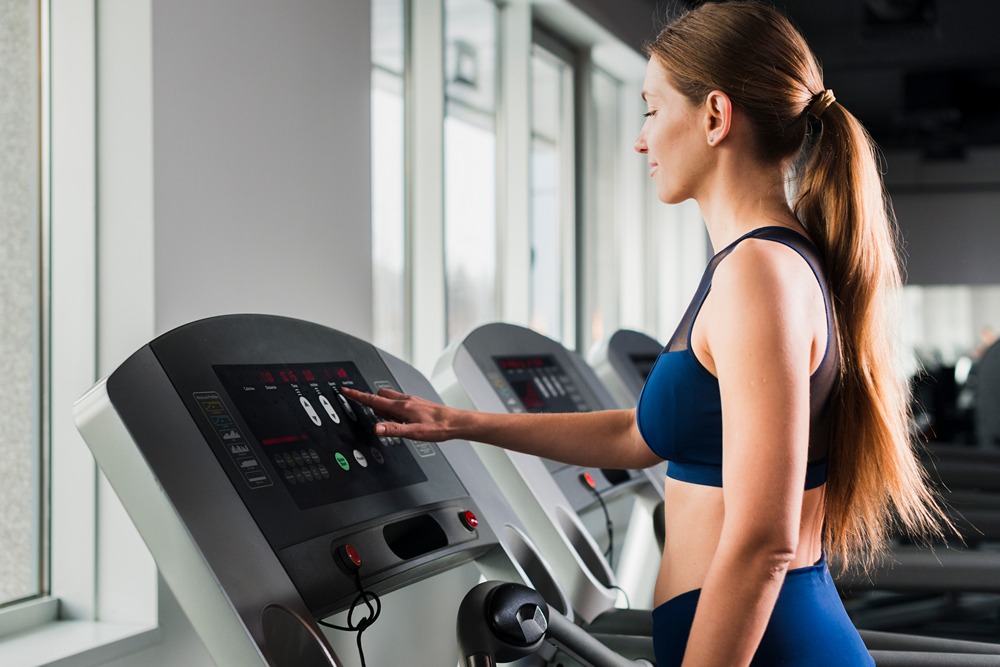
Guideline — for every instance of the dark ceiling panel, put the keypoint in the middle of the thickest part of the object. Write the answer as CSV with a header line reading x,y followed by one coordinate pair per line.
x,y
921,74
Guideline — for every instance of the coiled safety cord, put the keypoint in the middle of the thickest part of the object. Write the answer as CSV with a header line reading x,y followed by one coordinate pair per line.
x,y
366,597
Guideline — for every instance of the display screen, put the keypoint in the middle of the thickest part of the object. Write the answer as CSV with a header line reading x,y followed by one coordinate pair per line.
x,y
541,384
643,363
320,444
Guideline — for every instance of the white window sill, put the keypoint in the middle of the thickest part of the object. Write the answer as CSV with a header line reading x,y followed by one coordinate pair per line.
x,y
73,643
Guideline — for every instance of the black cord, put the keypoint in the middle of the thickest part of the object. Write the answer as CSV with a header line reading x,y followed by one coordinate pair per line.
x,y
610,553
363,623
628,603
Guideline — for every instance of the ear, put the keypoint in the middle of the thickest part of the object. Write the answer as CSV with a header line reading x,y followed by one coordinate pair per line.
x,y
718,117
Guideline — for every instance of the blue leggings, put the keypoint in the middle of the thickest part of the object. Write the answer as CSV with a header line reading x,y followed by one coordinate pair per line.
x,y
808,628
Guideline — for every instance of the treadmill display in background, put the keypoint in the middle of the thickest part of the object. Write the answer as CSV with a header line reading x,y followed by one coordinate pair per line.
x,y
540,384
643,363
320,444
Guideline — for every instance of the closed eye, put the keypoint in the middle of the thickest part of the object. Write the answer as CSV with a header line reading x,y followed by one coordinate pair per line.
x,y
648,114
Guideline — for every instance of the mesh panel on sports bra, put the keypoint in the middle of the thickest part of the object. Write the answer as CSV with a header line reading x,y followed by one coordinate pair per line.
x,y
825,375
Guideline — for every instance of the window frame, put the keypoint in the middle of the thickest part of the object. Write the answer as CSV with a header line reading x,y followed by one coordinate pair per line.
x,y
88,614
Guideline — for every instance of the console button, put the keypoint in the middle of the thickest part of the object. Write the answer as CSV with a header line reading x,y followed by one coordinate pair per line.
x,y
310,410
360,458
468,519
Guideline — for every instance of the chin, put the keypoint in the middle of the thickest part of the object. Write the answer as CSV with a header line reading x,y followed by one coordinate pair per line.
x,y
668,197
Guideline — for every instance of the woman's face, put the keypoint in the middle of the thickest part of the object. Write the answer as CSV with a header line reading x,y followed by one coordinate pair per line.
x,y
672,138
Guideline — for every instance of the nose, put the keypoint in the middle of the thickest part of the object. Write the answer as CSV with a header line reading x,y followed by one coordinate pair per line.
x,y
640,143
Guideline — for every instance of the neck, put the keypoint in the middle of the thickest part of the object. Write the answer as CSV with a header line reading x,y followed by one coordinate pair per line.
x,y
742,197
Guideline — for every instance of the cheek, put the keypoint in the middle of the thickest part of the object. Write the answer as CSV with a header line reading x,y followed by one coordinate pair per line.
x,y
655,138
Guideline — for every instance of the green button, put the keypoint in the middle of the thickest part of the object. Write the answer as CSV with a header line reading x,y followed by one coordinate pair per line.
x,y
342,460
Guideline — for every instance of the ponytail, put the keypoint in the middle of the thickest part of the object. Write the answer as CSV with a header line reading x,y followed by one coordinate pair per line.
x,y
875,477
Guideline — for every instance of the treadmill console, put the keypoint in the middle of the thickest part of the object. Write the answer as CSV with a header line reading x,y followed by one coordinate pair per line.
x,y
539,383
320,445
264,393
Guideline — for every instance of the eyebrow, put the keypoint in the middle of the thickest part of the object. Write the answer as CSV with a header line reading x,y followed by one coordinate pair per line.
x,y
644,96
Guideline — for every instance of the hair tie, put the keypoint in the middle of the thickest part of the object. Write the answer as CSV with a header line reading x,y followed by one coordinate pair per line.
x,y
821,102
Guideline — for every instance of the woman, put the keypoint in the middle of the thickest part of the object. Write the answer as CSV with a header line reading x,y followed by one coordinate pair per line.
x,y
775,401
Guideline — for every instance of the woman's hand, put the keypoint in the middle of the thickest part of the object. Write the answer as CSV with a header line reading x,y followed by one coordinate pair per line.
x,y
411,416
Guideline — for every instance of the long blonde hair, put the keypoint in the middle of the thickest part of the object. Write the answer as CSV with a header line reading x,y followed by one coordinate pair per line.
x,y
753,53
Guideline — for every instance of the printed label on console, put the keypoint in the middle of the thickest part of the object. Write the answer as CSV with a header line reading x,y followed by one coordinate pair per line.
x,y
215,410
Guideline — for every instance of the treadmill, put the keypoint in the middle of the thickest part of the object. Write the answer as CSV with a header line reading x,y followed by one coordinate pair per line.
x,y
623,363
502,367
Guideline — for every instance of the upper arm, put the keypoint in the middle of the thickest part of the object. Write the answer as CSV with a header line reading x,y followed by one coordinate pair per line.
x,y
638,454
759,329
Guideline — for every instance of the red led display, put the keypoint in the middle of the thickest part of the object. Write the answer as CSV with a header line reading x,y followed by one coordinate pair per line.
x,y
528,362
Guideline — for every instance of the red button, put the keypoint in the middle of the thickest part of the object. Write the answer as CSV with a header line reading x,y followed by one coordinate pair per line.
x,y
351,556
469,519
588,480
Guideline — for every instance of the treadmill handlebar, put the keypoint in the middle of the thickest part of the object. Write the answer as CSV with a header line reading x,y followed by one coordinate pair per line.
x,y
574,640
501,622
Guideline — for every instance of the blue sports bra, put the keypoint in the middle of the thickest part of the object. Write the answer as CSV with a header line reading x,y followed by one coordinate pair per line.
x,y
679,412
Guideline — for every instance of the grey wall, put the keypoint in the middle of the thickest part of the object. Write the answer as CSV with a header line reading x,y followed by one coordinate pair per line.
x,y
952,238
261,160
260,176
949,215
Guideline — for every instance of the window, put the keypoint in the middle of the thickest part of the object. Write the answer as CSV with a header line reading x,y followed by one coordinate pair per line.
x,y
477,211
21,571
553,219
470,165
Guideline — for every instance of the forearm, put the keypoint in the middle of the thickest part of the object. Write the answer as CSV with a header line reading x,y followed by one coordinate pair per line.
x,y
604,439
735,605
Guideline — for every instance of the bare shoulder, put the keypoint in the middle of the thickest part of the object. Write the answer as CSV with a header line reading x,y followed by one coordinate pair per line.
x,y
767,271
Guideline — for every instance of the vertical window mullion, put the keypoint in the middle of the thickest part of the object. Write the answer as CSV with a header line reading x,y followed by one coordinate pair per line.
x,y
392,325
424,95
514,154
73,299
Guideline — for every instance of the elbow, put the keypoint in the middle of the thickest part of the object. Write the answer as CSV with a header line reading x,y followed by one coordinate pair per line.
x,y
769,549
771,559
780,554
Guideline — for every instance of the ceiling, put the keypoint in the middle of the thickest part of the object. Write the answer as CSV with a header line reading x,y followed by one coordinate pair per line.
x,y
920,74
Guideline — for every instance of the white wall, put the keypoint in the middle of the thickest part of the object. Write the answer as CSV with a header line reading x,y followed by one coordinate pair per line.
x,y
234,176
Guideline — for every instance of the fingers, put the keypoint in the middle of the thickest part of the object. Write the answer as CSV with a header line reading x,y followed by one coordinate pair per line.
x,y
387,403
392,429
372,399
411,417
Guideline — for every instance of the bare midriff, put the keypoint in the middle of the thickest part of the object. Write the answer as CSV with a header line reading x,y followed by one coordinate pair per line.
x,y
694,518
